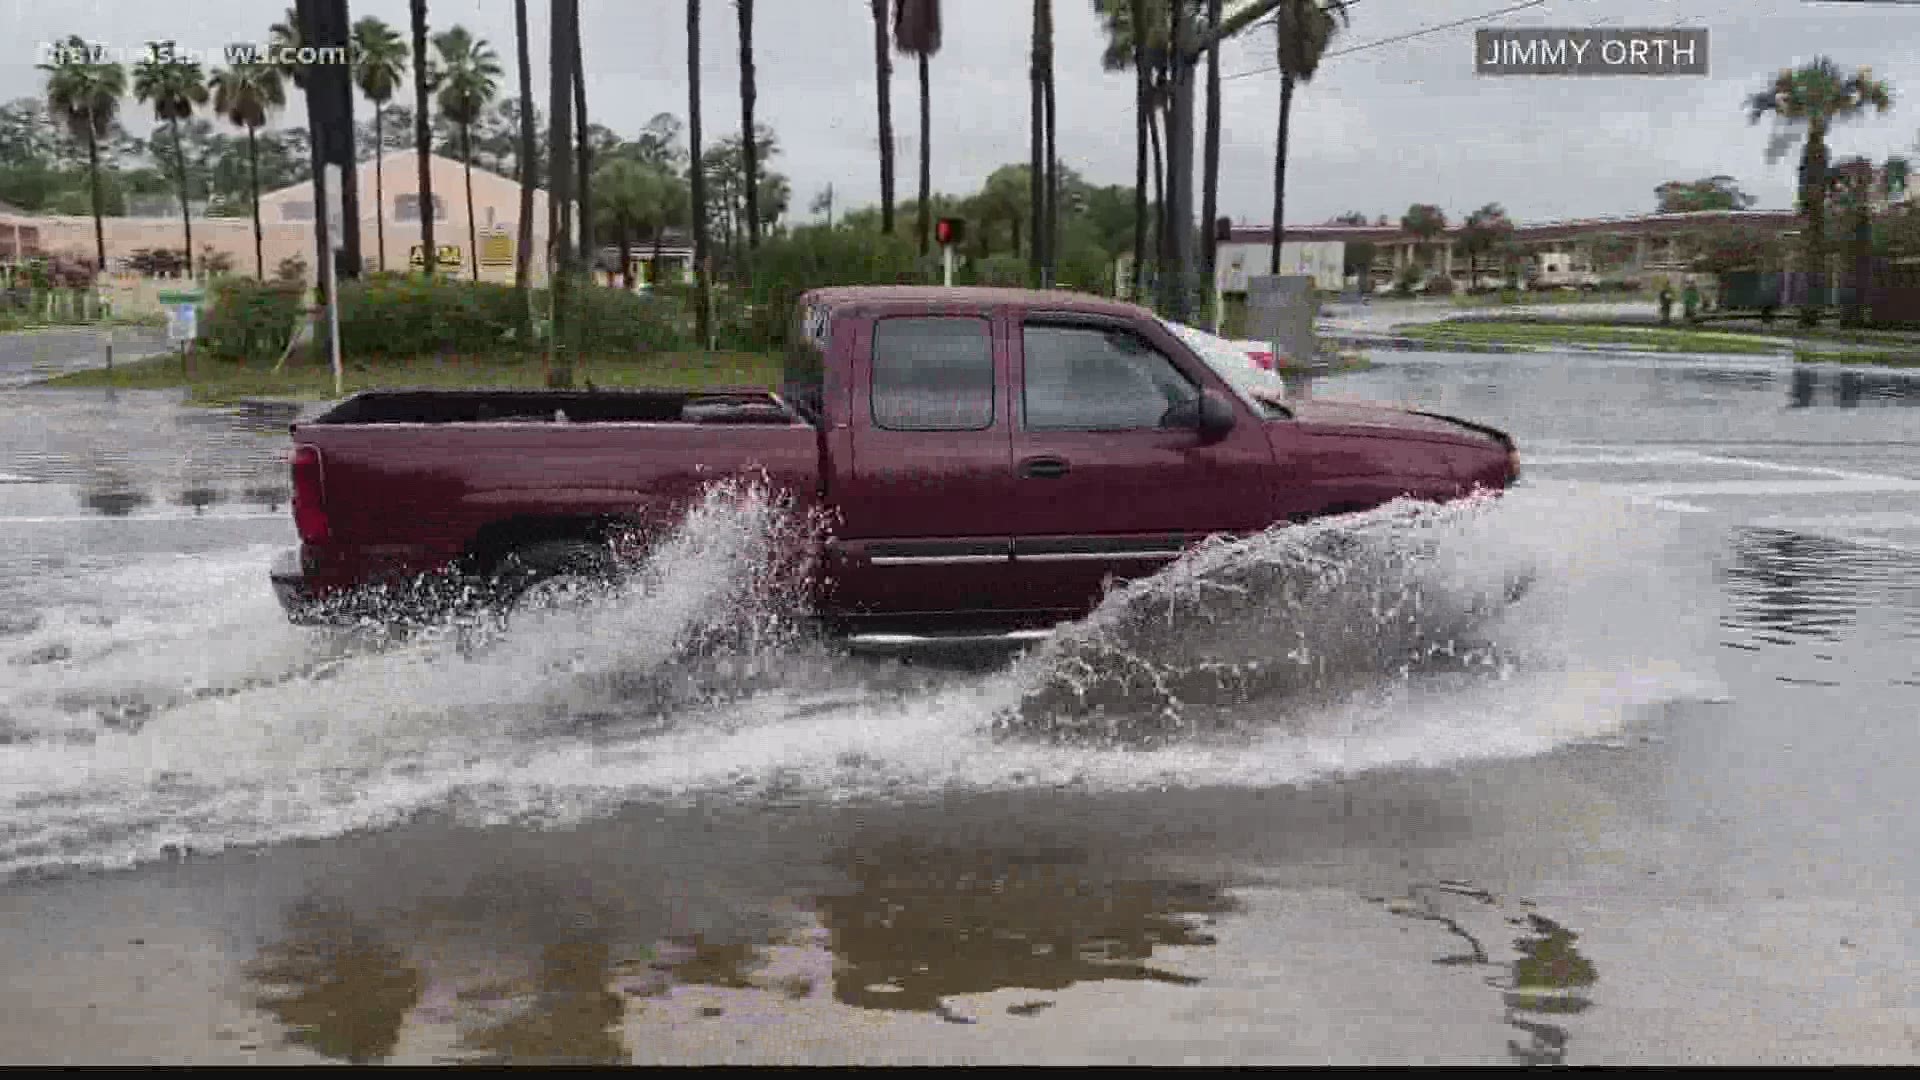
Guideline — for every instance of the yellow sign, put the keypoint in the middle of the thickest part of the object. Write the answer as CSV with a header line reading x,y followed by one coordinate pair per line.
x,y
496,249
446,257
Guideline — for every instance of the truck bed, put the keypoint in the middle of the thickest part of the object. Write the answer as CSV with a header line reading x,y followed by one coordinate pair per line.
x,y
726,406
419,481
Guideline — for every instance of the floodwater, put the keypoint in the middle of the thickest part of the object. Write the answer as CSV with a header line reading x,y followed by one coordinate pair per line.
x,y
1321,796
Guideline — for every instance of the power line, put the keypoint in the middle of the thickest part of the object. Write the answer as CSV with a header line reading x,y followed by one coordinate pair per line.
x,y
1400,37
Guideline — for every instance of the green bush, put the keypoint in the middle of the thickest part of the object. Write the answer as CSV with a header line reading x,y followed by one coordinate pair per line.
x,y
248,321
409,315
784,267
613,320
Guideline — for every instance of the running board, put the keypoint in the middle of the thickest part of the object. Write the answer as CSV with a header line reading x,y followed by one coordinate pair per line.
x,y
919,641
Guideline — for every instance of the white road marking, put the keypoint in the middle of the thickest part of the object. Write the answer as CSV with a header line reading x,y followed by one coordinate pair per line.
x,y
1766,487
1674,506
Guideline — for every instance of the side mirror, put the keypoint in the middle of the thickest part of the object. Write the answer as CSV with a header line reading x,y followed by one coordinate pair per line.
x,y
1209,414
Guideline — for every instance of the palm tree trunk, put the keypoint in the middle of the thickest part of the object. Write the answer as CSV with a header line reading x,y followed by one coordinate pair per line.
x,y
1142,119
380,183
1159,192
1210,152
253,180
525,243
561,251
1051,271
180,166
582,149
93,169
1813,198
883,76
749,143
702,321
523,250
1036,158
925,222
1280,172
423,131
473,231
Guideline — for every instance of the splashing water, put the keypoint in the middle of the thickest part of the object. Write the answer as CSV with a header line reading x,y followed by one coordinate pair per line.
x,y
1297,612
1319,649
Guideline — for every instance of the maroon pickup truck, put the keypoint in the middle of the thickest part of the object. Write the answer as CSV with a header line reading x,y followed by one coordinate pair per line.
x,y
989,459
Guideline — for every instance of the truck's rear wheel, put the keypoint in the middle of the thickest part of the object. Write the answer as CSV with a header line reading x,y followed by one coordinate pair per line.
x,y
554,573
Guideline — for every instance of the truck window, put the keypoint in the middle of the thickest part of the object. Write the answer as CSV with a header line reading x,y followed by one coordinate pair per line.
x,y
933,374
1084,378
803,378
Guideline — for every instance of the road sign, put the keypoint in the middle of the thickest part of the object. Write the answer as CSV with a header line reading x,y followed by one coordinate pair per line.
x,y
496,248
446,257
183,322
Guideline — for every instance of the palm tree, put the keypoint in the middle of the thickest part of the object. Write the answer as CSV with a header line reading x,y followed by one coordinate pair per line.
x,y
697,174
916,32
634,198
175,87
883,78
1053,152
1302,28
423,128
1142,113
748,149
284,38
85,96
470,75
1808,101
246,94
379,62
1424,222
561,253
1210,153
1145,54
1037,148
522,250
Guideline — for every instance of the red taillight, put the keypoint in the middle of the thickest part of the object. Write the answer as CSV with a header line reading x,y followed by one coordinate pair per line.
x,y
309,495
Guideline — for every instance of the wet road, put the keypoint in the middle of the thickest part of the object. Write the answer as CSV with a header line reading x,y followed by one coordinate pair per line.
x,y
27,356
1654,812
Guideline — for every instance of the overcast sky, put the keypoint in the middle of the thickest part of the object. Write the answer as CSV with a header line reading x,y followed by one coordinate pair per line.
x,y
1386,126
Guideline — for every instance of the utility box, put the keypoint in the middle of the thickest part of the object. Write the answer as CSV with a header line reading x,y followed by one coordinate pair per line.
x,y
1283,310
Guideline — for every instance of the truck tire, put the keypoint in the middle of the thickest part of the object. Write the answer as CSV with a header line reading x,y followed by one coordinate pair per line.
x,y
553,573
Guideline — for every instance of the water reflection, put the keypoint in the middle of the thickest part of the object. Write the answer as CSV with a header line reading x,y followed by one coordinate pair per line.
x,y
1547,981
1851,389
199,497
925,924
571,1017
112,493
340,989
1786,585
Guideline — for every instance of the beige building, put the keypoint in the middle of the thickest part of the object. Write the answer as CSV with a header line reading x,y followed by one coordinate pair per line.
x,y
287,225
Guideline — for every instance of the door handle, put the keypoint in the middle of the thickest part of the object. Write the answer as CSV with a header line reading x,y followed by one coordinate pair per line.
x,y
1044,468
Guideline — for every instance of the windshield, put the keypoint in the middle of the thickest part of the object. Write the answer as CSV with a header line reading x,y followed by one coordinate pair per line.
x,y
1262,390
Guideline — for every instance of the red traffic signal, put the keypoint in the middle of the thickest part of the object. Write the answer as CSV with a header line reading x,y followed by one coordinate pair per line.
x,y
950,230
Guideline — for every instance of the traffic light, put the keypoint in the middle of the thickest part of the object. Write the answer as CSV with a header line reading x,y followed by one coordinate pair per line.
x,y
950,231
1223,229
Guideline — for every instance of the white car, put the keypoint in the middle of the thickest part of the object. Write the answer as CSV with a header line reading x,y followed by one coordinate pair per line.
x,y
1249,364
1257,353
